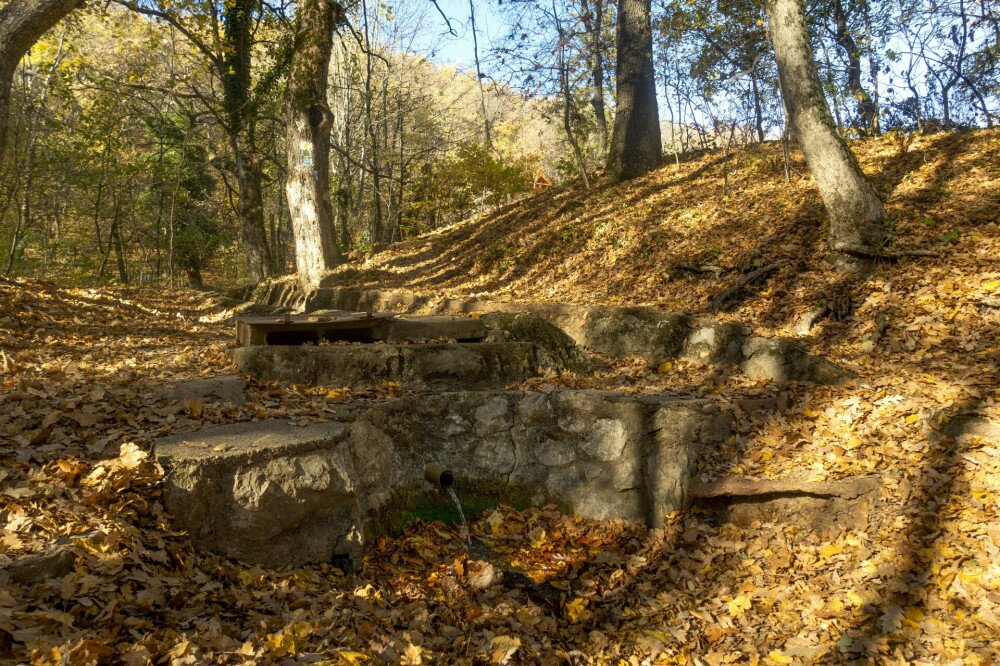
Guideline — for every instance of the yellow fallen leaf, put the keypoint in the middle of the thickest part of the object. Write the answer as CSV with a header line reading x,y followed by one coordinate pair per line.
x,y
413,655
349,658
130,456
739,605
776,657
912,617
576,610
502,648
830,550
280,644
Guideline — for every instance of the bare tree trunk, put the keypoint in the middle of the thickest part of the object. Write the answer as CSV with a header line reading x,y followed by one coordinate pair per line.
x,y
377,230
758,113
345,178
635,143
401,130
308,144
858,225
116,236
873,64
867,109
250,212
593,22
832,87
960,38
21,24
567,98
479,77
238,26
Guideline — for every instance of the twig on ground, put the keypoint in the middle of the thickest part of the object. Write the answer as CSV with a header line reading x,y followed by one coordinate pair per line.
x,y
728,297
895,255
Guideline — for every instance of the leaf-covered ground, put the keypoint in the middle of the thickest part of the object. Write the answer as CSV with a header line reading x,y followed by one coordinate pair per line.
x,y
919,584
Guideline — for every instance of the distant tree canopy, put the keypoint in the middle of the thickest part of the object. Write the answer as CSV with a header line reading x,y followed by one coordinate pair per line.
x,y
148,140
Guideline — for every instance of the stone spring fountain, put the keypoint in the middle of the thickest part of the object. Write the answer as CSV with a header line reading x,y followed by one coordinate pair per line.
x,y
280,494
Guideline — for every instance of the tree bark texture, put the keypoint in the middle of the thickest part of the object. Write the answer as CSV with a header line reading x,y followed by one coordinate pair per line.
x,y
237,22
635,141
22,23
308,145
858,225
593,21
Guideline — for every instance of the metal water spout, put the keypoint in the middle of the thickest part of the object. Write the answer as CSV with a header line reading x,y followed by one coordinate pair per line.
x,y
441,477
438,475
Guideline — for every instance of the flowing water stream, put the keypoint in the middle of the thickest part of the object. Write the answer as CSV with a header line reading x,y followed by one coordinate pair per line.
x,y
461,514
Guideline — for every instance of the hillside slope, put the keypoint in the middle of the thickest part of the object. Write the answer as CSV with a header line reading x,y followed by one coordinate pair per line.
x,y
630,243
916,581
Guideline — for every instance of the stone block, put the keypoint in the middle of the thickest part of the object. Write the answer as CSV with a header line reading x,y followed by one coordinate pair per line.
x,y
716,342
813,507
266,492
638,332
598,454
556,350
786,360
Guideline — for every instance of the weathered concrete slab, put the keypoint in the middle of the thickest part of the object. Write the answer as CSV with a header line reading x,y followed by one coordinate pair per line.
x,y
616,331
56,561
266,492
600,455
416,366
810,506
965,424
229,389
424,329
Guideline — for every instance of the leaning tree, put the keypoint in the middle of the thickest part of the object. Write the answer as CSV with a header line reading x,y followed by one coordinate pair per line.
x,y
859,228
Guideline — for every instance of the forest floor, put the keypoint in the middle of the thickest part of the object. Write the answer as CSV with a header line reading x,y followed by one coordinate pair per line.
x,y
921,584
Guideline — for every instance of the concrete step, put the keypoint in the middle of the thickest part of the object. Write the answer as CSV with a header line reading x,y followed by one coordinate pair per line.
x,y
412,366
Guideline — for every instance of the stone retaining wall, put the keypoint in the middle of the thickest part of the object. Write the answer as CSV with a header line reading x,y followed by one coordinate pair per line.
x,y
615,331
279,494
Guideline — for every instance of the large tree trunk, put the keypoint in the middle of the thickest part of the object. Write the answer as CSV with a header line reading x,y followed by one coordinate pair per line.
x,y
858,225
635,142
22,23
238,25
250,212
308,144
